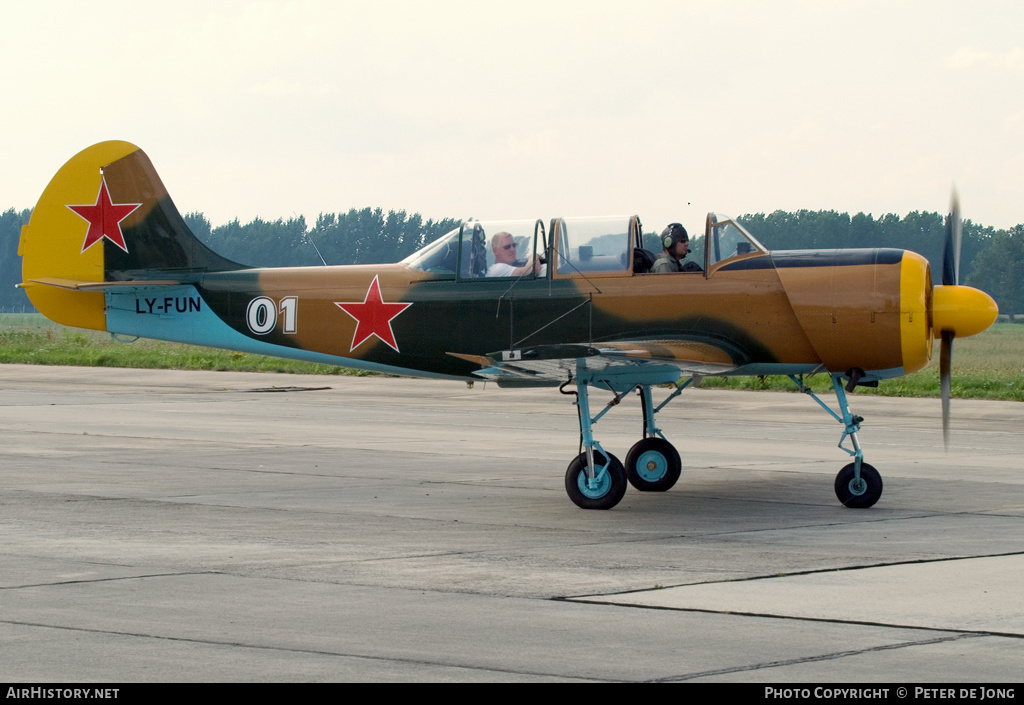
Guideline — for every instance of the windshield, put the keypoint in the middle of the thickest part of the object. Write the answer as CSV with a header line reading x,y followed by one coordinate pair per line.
x,y
726,238
439,257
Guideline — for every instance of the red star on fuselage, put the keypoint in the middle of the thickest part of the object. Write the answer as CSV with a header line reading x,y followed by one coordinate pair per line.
x,y
373,317
104,218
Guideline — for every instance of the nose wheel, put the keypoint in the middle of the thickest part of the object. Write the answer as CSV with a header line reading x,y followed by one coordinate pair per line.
x,y
653,465
858,493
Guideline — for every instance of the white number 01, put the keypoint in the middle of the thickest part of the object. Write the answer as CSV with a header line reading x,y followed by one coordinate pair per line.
x,y
261,314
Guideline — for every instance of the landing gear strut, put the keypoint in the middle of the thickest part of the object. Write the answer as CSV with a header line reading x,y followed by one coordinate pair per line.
x,y
594,479
858,485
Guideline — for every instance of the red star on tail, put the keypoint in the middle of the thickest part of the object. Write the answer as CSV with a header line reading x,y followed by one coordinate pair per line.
x,y
373,317
104,219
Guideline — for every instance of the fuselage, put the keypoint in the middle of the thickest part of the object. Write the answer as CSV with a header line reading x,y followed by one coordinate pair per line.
x,y
772,314
107,249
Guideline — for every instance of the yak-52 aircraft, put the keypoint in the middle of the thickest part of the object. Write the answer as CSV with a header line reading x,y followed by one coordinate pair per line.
x,y
106,249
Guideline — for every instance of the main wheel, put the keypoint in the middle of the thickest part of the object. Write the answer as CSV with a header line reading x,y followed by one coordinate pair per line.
x,y
653,465
858,495
608,489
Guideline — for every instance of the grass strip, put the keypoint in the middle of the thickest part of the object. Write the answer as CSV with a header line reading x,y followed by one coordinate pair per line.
x,y
986,366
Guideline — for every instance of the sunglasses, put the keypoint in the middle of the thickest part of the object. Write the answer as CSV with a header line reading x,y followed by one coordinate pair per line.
x,y
509,246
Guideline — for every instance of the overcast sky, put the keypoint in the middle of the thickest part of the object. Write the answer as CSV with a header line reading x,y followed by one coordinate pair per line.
x,y
528,109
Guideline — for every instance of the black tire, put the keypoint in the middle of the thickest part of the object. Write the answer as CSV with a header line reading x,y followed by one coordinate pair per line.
x,y
653,465
604,497
858,497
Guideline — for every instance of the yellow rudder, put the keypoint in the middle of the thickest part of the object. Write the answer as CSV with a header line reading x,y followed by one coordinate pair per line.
x,y
56,244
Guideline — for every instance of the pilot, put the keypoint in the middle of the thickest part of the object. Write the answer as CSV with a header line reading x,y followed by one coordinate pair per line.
x,y
505,265
675,243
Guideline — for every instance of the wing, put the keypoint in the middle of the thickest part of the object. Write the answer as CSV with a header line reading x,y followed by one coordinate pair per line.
x,y
631,361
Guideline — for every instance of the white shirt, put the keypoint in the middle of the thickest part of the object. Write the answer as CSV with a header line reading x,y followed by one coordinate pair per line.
x,y
500,269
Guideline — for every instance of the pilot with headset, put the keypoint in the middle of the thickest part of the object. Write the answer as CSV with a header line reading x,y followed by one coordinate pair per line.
x,y
675,243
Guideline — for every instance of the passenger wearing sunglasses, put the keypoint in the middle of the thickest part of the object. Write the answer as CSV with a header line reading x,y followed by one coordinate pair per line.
x,y
506,263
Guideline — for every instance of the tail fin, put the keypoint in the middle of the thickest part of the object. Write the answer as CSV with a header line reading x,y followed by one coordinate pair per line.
x,y
103,221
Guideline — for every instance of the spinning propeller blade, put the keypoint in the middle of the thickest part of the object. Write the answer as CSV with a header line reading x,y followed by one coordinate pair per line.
x,y
954,239
945,355
950,276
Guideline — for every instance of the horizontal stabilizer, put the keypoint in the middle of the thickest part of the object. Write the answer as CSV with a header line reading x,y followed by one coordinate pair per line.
x,y
76,285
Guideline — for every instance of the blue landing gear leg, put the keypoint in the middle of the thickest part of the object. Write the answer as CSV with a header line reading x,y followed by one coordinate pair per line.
x,y
858,485
594,479
652,464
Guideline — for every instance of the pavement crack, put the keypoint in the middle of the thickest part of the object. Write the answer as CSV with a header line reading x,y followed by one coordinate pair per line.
x,y
799,618
813,659
798,573
110,580
315,652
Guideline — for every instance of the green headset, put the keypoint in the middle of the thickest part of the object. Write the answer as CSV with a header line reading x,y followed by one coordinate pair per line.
x,y
673,233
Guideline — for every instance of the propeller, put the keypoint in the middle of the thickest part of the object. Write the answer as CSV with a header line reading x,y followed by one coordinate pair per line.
x,y
950,277
957,311
954,240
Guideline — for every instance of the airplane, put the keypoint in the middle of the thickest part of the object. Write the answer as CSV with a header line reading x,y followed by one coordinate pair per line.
x,y
106,249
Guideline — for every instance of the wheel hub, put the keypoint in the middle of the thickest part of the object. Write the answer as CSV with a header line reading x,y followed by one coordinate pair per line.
x,y
651,466
596,488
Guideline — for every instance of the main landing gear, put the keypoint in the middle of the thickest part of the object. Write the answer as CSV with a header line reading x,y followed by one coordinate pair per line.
x,y
858,485
596,479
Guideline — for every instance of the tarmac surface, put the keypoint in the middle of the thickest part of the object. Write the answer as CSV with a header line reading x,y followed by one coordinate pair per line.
x,y
215,526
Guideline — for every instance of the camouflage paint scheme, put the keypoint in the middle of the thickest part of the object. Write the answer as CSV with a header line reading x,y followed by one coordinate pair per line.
x,y
756,313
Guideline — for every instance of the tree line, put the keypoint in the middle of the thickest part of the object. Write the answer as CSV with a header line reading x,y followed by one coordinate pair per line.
x,y
367,236
992,260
